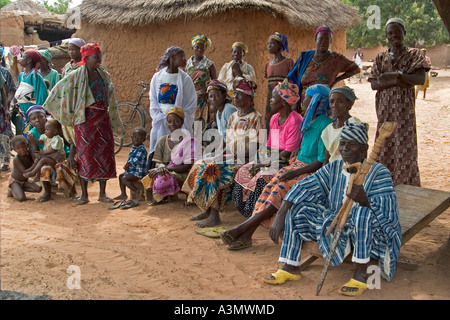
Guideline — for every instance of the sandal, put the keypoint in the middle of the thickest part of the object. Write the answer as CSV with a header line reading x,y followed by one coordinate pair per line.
x,y
238,245
129,204
105,199
227,238
281,277
210,232
80,202
117,205
354,284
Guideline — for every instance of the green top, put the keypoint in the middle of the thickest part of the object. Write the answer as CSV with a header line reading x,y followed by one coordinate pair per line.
x,y
312,147
53,77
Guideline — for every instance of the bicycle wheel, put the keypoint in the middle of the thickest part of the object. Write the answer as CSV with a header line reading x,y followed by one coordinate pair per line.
x,y
355,78
132,117
118,144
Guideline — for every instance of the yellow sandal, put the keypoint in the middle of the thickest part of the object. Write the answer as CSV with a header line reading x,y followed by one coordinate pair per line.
x,y
281,277
361,286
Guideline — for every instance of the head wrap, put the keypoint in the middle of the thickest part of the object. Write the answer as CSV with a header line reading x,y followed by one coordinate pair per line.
x,y
355,132
349,93
77,42
88,50
282,39
244,86
396,20
319,104
201,39
47,55
15,50
288,92
36,57
240,44
36,108
324,29
218,85
2,52
176,110
170,52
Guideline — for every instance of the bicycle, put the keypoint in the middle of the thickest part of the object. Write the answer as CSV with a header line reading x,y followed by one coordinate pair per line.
x,y
133,114
360,77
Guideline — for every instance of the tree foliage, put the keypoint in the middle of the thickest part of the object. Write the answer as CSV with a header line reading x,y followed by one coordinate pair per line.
x,y
424,26
4,3
59,6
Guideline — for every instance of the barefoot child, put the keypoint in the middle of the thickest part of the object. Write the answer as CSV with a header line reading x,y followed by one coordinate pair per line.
x,y
53,144
18,183
135,169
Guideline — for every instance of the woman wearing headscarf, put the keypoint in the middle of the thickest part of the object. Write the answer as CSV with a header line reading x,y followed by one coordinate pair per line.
x,y
201,70
320,66
170,87
32,89
394,74
308,160
237,68
85,100
277,68
73,49
46,69
209,184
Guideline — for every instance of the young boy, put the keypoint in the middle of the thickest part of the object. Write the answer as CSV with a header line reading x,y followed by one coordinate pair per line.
x,y
135,169
18,183
53,144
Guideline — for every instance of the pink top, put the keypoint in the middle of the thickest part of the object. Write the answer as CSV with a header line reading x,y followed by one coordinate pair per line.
x,y
288,133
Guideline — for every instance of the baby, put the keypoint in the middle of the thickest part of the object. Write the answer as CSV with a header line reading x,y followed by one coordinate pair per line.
x,y
53,145
18,183
135,170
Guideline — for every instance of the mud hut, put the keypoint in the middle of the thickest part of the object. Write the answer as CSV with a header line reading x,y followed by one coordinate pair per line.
x,y
134,34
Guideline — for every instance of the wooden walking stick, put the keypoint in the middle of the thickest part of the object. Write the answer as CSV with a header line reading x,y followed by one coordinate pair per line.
x,y
384,132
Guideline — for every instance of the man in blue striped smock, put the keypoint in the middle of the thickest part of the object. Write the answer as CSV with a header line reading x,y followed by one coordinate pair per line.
x,y
372,230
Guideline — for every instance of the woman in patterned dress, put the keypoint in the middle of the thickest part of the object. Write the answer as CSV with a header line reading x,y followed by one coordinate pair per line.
x,y
394,74
201,70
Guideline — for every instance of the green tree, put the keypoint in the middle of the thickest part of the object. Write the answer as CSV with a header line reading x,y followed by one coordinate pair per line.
x,y
4,3
59,6
424,26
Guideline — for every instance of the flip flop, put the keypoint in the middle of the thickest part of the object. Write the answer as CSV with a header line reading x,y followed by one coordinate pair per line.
x,y
80,202
117,205
105,199
354,284
281,277
238,245
43,199
211,232
128,205
227,238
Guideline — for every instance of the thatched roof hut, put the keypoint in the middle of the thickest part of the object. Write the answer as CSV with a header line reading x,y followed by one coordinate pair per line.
x,y
134,34
25,5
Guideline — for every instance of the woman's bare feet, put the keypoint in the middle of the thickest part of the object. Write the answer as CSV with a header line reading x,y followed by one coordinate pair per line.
x,y
212,220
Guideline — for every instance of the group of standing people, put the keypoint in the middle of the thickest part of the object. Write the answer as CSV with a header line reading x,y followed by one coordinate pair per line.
x,y
294,184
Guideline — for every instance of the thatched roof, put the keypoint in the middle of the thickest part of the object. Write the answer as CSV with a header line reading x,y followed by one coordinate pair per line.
x,y
25,5
308,14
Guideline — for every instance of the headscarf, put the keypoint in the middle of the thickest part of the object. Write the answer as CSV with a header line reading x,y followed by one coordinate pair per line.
x,y
201,39
319,104
282,39
240,44
36,57
324,29
36,108
170,52
15,50
88,50
77,42
218,85
47,55
355,132
396,20
244,86
349,93
2,52
176,110
288,92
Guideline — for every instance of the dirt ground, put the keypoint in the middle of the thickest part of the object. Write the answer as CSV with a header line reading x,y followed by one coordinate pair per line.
x,y
153,252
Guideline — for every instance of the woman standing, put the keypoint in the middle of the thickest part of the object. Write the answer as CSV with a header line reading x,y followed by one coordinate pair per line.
x,y
201,70
394,74
46,69
94,115
170,87
237,68
320,66
32,89
276,69
73,49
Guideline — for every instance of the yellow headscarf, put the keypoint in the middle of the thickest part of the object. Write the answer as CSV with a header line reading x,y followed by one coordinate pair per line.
x,y
176,110
240,44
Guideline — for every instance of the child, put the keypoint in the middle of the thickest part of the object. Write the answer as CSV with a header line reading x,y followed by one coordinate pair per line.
x,y
135,169
53,143
18,183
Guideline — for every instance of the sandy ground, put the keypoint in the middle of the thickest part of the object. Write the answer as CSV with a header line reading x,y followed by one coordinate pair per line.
x,y
154,253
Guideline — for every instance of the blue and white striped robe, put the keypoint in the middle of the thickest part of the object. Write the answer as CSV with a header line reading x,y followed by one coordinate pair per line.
x,y
372,233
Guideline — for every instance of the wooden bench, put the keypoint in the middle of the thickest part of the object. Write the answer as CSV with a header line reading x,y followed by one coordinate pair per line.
x,y
417,208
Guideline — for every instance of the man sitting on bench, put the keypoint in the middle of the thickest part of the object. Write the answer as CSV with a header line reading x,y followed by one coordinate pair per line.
x,y
372,230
